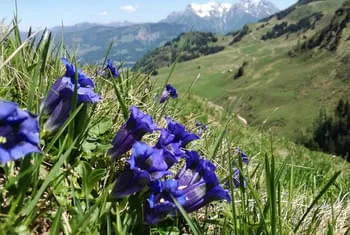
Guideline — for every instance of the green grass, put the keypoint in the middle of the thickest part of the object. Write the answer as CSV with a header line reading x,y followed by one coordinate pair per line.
x,y
297,87
66,190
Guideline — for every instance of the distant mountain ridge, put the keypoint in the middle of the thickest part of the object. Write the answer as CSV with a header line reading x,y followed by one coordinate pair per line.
x,y
133,40
222,17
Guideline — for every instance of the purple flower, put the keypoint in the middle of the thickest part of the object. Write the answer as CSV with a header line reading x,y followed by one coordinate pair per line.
x,y
19,132
201,127
244,156
236,179
160,205
133,130
110,70
195,186
169,91
236,172
146,164
199,183
58,102
174,138
175,133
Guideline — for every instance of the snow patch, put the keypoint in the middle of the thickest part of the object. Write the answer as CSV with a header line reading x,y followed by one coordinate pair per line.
x,y
210,9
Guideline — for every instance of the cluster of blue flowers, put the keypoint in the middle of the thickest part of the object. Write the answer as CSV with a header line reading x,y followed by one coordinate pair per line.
x,y
150,168
19,129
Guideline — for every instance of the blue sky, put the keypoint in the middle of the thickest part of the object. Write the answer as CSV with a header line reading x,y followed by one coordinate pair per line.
x,y
41,13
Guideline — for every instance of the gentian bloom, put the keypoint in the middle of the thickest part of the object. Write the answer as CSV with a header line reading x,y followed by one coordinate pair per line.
x,y
236,179
201,127
110,70
244,156
195,186
174,138
160,206
176,133
58,102
169,91
19,132
171,148
146,164
236,172
133,130
199,183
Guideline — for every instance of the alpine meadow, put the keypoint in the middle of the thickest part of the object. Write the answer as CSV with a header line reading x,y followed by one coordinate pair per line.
x,y
224,118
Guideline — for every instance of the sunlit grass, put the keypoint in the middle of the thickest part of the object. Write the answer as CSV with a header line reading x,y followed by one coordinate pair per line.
x,y
67,188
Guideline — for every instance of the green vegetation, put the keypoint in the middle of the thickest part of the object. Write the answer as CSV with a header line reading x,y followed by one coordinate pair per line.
x,y
303,25
332,133
67,189
280,90
330,36
186,46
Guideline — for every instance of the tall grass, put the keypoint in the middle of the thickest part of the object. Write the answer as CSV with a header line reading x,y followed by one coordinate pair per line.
x,y
66,190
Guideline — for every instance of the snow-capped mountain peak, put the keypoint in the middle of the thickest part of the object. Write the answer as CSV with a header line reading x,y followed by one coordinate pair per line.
x,y
257,8
222,17
210,9
249,3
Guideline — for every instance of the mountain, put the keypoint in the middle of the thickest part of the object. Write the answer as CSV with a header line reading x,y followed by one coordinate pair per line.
x,y
281,71
133,41
186,46
86,25
130,43
222,17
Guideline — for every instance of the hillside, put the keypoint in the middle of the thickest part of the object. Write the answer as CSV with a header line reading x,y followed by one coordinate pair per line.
x,y
71,160
186,46
278,85
130,43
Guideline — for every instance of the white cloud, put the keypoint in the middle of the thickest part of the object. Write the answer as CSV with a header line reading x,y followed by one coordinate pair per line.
x,y
103,13
128,8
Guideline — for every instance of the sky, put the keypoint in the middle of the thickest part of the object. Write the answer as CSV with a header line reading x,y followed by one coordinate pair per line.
x,y
49,13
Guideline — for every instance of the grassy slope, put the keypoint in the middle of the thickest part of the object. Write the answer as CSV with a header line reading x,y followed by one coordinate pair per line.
x,y
77,201
285,92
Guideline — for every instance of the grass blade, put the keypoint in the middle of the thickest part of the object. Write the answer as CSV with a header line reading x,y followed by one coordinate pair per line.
x,y
319,195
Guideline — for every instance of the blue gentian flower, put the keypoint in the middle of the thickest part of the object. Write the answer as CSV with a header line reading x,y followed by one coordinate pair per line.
x,y
236,172
199,183
58,102
176,133
160,205
19,132
169,91
110,70
195,186
174,138
244,156
133,130
200,127
171,148
146,164
236,179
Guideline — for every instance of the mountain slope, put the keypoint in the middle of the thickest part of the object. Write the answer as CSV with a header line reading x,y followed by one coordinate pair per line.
x,y
130,42
186,46
222,17
276,88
